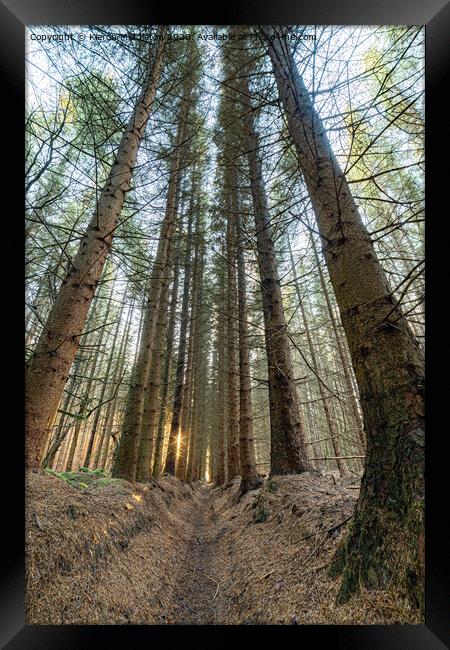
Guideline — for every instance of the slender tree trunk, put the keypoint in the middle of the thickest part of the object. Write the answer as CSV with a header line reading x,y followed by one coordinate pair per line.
x,y
232,326
75,436
49,367
61,463
222,373
214,417
387,534
188,382
86,400
127,457
102,448
87,459
312,421
288,453
166,372
143,471
62,429
195,457
324,394
181,360
152,401
250,479
196,425
187,402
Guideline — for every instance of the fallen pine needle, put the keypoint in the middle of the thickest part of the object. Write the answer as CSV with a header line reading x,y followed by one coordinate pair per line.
x,y
267,575
217,590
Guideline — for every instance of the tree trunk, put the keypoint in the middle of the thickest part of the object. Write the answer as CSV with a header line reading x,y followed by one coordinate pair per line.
x,y
102,448
166,372
232,325
75,437
386,538
52,449
62,429
171,457
198,270
90,446
323,392
144,469
250,479
87,398
49,367
196,424
288,453
221,474
125,466
342,356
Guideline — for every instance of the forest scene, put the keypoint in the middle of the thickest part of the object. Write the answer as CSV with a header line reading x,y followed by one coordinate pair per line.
x,y
224,311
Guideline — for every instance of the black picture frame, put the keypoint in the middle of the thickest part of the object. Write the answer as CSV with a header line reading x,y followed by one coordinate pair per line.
x,y
435,15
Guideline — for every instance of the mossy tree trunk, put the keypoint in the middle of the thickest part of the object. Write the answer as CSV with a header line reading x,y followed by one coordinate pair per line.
x,y
386,538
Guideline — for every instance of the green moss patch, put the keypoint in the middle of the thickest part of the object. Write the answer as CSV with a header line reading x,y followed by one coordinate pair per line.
x,y
84,478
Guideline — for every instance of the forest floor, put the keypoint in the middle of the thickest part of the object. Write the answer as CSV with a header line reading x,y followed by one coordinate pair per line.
x,y
108,552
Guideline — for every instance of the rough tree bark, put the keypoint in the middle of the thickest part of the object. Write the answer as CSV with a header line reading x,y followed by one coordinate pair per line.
x,y
343,356
288,453
49,366
386,539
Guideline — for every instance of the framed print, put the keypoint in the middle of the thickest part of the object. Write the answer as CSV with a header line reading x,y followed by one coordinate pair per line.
x,y
225,296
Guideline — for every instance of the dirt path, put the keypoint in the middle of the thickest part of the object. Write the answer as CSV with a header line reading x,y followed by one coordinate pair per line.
x,y
195,601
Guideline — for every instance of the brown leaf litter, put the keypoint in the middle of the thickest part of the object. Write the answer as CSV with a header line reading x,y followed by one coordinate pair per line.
x,y
170,553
